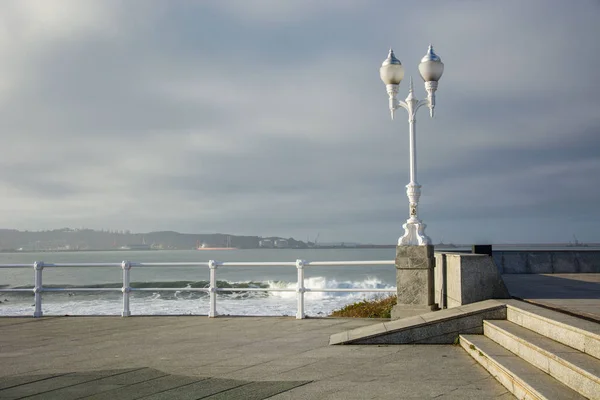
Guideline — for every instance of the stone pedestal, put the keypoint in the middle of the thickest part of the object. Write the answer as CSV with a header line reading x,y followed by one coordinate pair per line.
x,y
414,281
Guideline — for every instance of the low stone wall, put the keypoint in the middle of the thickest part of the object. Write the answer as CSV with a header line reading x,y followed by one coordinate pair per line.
x,y
461,279
547,262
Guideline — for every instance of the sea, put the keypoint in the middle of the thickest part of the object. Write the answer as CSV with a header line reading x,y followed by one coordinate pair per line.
x,y
182,302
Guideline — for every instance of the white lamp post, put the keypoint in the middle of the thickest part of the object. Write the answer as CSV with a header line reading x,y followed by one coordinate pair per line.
x,y
392,72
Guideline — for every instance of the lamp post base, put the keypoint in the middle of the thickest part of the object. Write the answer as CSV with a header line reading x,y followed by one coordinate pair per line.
x,y
414,234
414,281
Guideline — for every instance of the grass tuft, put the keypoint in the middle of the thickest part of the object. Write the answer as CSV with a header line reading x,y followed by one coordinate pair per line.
x,y
378,308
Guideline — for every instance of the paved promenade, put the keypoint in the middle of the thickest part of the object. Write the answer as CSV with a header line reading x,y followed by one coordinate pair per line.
x,y
577,294
250,358
224,358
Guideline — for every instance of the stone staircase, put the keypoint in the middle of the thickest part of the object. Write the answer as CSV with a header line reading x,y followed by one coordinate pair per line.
x,y
538,353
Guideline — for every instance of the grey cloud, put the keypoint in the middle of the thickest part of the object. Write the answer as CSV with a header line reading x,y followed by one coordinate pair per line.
x,y
197,116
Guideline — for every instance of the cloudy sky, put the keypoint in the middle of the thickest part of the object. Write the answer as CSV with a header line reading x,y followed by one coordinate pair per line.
x,y
268,117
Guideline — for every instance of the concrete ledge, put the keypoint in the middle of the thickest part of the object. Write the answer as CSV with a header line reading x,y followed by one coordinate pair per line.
x,y
438,327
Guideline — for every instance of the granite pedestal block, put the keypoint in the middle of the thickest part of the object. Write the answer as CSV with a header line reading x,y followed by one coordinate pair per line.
x,y
414,281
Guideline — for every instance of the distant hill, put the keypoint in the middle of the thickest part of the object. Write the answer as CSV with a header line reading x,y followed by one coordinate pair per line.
x,y
89,239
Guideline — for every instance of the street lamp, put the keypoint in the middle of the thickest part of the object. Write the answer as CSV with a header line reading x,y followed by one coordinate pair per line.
x,y
392,72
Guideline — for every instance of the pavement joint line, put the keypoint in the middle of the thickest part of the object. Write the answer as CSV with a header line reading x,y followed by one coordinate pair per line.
x,y
97,379
256,342
313,381
246,383
202,380
88,381
241,386
199,379
24,373
396,351
36,380
46,344
301,366
234,370
9,317
292,388
124,371
307,365
62,387
136,383
265,362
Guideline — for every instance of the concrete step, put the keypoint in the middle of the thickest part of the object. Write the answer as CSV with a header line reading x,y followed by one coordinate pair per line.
x,y
579,371
521,378
574,332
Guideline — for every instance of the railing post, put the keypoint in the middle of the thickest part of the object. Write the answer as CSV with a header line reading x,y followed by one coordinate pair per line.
x,y
38,267
212,312
126,265
300,289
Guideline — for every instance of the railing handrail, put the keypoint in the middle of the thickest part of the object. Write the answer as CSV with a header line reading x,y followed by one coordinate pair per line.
x,y
206,263
212,289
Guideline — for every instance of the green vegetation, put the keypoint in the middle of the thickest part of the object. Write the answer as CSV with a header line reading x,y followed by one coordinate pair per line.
x,y
378,308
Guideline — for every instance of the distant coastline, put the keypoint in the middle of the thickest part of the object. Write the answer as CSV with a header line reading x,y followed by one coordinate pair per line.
x,y
458,248
69,240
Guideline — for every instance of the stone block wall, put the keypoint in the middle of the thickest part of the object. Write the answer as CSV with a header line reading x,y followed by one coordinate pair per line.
x,y
547,262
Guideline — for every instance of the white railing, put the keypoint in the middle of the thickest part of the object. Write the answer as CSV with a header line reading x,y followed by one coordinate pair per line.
x,y
212,290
